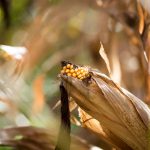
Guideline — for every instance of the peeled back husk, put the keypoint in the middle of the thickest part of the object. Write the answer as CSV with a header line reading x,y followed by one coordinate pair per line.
x,y
120,112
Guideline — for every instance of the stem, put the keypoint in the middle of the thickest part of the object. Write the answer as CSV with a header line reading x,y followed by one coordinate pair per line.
x,y
63,142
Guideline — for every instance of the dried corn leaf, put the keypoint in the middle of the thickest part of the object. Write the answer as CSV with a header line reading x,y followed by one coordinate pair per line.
x,y
74,120
141,17
39,100
90,122
146,5
33,138
104,134
123,114
105,58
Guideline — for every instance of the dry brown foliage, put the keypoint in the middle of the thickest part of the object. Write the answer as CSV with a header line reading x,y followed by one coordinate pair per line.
x,y
123,118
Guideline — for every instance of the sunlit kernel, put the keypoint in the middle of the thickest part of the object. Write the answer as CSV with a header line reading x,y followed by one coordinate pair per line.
x,y
76,70
68,74
79,76
82,71
71,71
67,70
79,73
86,73
74,75
71,66
64,68
68,66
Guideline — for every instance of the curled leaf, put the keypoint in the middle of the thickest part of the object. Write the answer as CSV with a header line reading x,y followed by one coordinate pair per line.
x,y
105,58
141,17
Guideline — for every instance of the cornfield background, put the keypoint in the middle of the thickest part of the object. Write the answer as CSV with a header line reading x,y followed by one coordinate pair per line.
x,y
36,35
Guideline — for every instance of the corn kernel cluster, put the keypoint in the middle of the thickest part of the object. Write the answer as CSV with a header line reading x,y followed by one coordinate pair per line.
x,y
76,72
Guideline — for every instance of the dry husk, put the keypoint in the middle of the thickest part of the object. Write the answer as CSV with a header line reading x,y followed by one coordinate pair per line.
x,y
123,118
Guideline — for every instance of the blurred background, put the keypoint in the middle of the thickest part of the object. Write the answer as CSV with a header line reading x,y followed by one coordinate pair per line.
x,y
36,35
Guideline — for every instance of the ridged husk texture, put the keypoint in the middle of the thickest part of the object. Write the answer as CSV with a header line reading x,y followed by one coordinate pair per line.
x,y
122,116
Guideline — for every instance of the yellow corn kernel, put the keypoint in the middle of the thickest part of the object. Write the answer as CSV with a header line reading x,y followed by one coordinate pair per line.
x,y
71,66
78,72
79,69
71,71
67,70
79,76
68,66
68,74
74,75
82,71
64,68
86,72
